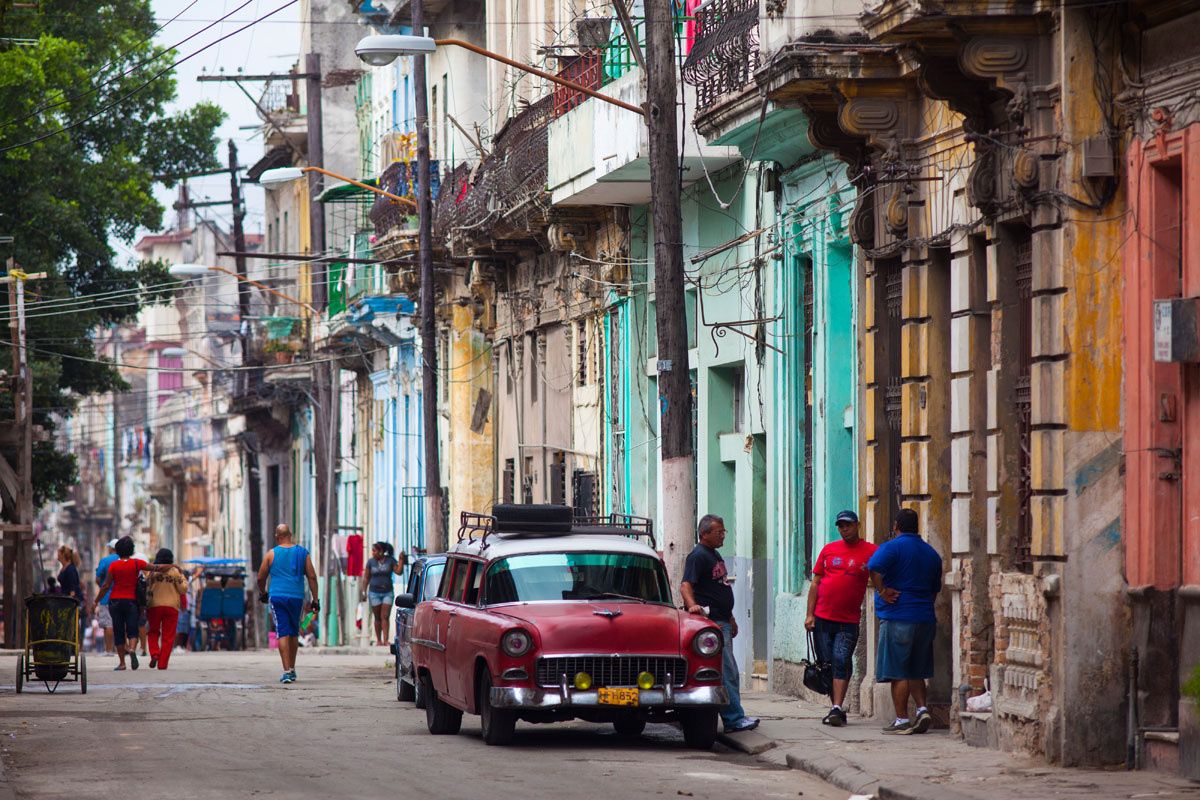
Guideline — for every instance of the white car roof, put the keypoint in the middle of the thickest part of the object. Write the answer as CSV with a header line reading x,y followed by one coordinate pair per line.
x,y
502,545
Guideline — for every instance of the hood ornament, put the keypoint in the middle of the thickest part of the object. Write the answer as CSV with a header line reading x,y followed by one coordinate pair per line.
x,y
611,613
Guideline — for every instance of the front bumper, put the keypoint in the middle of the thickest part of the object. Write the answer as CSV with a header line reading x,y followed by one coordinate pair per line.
x,y
511,697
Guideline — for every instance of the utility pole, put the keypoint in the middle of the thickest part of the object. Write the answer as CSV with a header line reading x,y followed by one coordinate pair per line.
x,y
326,385
239,245
674,383
435,538
18,582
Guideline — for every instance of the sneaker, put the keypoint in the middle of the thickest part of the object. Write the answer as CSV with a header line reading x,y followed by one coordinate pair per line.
x,y
292,673
743,724
836,717
923,722
285,677
133,662
900,727
153,662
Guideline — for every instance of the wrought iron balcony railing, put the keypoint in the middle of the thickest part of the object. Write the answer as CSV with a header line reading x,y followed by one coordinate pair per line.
x,y
724,55
505,196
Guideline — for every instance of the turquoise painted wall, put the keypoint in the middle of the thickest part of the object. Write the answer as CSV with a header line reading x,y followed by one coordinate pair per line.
x,y
815,210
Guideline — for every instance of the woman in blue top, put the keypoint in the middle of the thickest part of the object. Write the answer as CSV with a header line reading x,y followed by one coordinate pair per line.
x,y
281,578
376,586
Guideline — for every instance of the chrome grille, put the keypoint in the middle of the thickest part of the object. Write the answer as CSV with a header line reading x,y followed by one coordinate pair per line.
x,y
611,670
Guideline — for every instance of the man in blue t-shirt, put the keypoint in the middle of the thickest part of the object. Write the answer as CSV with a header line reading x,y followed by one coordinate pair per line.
x,y
102,615
281,580
907,575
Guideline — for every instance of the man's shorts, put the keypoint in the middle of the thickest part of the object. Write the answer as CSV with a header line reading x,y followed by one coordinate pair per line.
x,y
379,598
104,616
905,651
835,643
285,612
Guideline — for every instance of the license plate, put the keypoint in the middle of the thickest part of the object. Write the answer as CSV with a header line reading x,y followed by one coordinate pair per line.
x,y
618,697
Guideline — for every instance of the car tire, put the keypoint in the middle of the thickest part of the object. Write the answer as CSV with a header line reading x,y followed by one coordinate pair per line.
x,y
498,726
699,727
405,692
629,726
418,692
441,718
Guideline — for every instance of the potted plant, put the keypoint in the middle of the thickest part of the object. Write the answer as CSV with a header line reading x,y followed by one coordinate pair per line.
x,y
278,352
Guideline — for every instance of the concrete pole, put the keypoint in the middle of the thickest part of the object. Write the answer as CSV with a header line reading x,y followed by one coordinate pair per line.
x,y
435,538
674,384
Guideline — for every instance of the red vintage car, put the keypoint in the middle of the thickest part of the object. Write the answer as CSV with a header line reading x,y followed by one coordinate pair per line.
x,y
543,618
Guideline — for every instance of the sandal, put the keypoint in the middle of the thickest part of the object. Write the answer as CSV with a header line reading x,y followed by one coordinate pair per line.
x,y
119,668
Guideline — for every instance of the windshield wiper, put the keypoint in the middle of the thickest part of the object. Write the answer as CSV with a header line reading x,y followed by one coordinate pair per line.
x,y
618,596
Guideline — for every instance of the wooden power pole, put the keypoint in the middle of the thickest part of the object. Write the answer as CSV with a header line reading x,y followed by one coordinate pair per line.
x,y
435,530
674,381
18,551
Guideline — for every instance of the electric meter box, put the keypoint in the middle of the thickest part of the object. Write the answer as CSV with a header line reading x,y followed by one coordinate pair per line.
x,y
1177,330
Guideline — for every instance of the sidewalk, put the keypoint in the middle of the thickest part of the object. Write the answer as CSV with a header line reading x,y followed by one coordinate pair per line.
x,y
932,766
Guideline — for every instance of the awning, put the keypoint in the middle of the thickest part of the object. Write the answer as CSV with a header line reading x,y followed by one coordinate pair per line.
x,y
347,192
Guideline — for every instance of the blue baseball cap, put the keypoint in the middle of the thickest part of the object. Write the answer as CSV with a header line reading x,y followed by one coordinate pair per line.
x,y
846,516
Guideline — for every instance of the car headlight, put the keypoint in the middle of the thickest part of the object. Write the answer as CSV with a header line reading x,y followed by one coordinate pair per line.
x,y
516,643
707,642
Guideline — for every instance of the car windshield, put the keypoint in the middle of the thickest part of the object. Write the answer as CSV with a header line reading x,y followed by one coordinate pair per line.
x,y
577,576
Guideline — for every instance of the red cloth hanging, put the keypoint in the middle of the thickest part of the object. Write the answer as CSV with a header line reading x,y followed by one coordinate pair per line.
x,y
355,556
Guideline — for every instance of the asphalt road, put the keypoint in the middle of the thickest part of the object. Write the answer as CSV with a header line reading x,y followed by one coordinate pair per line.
x,y
217,725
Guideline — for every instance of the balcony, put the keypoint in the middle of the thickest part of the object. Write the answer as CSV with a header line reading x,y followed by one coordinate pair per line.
x,y
599,153
503,199
724,56
396,223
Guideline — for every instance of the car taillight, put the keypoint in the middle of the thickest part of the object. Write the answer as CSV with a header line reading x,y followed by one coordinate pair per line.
x,y
516,643
707,642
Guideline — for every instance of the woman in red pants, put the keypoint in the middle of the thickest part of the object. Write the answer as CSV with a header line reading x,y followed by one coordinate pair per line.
x,y
163,595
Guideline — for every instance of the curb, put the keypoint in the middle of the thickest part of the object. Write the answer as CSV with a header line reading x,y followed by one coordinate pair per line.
x,y
843,775
750,742
837,772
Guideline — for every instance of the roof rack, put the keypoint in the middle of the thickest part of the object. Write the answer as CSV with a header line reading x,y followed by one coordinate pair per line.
x,y
508,521
619,525
472,523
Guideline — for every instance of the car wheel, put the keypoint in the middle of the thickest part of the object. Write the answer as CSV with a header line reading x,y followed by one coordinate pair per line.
x,y
404,689
699,727
418,692
441,718
498,726
629,726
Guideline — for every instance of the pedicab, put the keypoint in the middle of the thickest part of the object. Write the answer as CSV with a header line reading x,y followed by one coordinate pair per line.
x,y
221,604
53,650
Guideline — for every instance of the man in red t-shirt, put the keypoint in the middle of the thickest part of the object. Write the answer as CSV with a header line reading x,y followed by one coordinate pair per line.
x,y
835,601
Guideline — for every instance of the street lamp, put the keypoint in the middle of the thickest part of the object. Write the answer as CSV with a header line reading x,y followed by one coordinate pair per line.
x,y
282,175
188,271
382,49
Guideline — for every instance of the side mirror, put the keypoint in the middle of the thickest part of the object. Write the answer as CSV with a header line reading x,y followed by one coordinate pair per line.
x,y
405,601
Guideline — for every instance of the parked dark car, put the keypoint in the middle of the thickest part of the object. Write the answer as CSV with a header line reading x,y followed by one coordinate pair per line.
x,y
424,577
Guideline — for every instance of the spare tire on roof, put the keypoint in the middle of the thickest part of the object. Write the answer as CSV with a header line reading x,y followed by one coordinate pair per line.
x,y
541,518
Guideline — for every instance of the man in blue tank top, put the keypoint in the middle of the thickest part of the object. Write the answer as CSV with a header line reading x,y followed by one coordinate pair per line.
x,y
282,576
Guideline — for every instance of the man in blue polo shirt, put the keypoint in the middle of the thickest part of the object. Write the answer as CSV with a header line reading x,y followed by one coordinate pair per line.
x,y
907,575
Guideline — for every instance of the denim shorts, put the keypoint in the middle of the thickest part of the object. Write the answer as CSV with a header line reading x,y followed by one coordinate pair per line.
x,y
379,598
835,643
905,651
125,620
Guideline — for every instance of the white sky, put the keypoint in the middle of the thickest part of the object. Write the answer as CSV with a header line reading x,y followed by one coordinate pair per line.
x,y
269,46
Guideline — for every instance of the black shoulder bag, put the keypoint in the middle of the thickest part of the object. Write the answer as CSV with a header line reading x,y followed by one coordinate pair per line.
x,y
818,675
